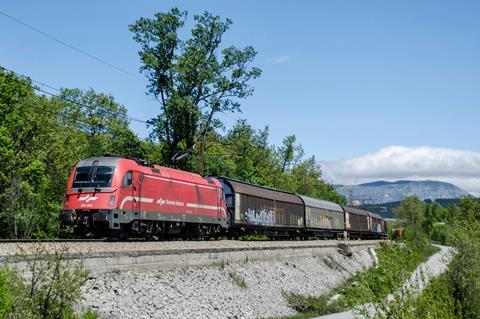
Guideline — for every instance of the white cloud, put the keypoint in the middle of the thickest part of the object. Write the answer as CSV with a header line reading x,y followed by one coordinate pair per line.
x,y
459,167
281,59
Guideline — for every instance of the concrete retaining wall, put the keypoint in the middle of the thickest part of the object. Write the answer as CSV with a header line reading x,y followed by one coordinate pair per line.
x,y
100,262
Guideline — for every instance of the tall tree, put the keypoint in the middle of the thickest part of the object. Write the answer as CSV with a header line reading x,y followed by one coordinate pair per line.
x,y
287,151
192,79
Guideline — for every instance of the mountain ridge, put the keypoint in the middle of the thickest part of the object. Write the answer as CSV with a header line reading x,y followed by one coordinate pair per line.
x,y
378,192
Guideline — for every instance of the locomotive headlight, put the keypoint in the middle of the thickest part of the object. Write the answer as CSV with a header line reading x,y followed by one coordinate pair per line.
x,y
112,200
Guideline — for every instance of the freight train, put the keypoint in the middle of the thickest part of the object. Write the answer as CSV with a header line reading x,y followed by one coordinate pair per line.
x,y
117,196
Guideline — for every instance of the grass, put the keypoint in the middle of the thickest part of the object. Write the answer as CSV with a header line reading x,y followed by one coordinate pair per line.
x,y
310,306
254,238
395,265
237,280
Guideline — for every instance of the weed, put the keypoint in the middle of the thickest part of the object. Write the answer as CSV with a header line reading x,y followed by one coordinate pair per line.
x,y
238,280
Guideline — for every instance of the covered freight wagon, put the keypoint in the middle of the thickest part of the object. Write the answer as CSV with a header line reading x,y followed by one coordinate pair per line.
x,y
256,209
323,218
356,222
375,223
378,226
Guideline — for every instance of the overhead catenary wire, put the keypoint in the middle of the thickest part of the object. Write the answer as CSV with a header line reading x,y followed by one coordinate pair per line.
x,y
72,47
64,98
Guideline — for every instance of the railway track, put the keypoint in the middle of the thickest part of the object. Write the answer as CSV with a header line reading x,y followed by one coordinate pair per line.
x,y
10,247
50,240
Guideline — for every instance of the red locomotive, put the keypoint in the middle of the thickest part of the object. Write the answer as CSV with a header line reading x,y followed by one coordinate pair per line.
x,y
125,195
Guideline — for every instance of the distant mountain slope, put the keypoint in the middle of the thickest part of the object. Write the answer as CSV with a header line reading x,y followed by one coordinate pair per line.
x,y
386,210
384,192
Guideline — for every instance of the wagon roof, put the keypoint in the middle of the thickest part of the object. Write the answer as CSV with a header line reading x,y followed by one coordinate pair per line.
x,y
318,203
375,215
262,191
357,211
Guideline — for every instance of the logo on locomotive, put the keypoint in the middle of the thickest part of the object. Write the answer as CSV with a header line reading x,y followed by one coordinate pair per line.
x,y
263,217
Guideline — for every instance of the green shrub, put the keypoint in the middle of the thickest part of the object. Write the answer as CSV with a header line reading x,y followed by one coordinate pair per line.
x,y
50,291
312,306
238,280
8,293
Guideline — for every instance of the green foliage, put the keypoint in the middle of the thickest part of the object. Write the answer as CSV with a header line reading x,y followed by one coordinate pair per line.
x,y
254,238
193,79
99,122
8,291
411,214
238,280
90,314
310,306
464,269
51,292
435,302
395,265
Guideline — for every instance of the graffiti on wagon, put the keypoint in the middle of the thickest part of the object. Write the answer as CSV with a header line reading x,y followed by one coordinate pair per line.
x,y
263,217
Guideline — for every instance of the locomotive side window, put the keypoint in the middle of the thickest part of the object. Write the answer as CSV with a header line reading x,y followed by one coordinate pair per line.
x,y
127,179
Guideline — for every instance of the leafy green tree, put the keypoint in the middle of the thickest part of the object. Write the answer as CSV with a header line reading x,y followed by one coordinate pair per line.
x,y
287,151
30,140
100,121
192,79
411,213
243,153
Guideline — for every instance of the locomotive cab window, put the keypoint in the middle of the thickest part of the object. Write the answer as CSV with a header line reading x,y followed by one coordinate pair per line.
x,y
93,176
127,179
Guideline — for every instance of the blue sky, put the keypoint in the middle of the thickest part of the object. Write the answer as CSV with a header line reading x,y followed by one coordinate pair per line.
x,y
348,78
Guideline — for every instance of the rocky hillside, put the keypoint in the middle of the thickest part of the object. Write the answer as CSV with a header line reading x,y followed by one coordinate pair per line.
x,y
384,192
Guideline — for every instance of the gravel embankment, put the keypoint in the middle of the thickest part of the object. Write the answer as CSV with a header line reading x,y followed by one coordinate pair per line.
x,y
238,290
434,266
93,247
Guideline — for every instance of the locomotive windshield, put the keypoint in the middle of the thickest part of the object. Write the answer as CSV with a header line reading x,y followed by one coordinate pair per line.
x,y
93,176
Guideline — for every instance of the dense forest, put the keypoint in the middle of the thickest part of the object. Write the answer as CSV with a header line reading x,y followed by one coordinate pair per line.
x,y
43,133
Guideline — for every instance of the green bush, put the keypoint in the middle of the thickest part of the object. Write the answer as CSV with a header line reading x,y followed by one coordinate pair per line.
x,y
8,293
310,306
51,291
